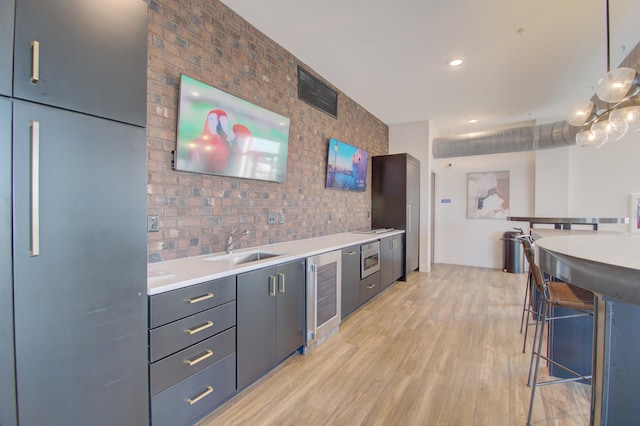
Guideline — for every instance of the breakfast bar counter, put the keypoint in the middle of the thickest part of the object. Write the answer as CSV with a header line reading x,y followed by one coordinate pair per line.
x,y
608,265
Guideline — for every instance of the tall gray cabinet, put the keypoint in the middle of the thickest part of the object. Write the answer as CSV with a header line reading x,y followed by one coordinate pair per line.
x,y
395,201
78,177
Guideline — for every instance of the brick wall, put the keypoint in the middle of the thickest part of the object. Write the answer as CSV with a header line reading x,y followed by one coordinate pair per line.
x,y
209,42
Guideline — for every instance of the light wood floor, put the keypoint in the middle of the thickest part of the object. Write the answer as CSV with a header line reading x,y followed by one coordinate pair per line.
x,y
440,349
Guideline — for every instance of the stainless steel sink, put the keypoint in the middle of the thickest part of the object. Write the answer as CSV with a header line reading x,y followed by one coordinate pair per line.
x,y
242,258
252,257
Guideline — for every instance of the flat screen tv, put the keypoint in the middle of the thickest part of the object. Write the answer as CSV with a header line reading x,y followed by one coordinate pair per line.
x,y
221,134
346,167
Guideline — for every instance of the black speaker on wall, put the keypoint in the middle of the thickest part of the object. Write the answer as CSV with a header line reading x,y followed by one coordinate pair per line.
x,y
315,93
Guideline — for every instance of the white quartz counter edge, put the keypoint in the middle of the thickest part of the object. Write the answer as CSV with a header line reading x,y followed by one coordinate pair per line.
x,y
175,274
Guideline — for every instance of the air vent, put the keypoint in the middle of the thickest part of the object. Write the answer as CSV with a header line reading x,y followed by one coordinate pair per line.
x,y
315,93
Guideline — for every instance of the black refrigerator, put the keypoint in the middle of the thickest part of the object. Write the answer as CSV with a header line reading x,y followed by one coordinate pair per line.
x,y
73,303
395,201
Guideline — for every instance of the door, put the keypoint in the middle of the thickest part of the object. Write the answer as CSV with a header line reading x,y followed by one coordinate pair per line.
x,y
6,51
7,366
92,56
79,269
290,309
256,338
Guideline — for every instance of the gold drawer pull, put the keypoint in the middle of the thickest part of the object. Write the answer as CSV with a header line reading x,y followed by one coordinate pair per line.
x,y
351,253
200,298
202,357
192,401
371,286
200,328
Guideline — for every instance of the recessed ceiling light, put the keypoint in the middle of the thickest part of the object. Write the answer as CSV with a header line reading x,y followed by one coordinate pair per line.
x,y
455,62
472,121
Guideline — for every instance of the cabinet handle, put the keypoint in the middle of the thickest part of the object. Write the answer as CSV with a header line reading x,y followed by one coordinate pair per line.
x,y
281,282
35,62
371,286
200,328
408,217
272,285
35,188
192,401
351,253
201,358
200,298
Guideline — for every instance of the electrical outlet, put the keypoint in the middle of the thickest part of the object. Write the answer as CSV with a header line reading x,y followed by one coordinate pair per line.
x,y
153,223
271,218
281,218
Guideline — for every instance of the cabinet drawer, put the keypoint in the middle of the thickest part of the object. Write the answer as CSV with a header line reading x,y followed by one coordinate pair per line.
x,y
180,334
194,397
176,304
177,367
369,287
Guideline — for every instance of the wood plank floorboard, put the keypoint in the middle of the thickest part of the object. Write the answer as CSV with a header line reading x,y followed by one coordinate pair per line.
x,y
443,348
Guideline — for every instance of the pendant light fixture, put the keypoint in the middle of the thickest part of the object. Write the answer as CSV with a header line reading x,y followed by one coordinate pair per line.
x,y
620,90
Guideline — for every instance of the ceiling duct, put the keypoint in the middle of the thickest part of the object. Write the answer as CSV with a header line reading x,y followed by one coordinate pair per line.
x,y
528,138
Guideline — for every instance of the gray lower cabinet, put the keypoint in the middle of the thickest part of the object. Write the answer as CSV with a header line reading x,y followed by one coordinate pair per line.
x,y
350,280
391,260
195,396
271,318
7,375
6,56
369,287
192,351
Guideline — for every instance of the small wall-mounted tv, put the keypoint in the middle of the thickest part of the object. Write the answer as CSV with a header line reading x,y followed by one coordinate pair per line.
x,y
346,167
221,134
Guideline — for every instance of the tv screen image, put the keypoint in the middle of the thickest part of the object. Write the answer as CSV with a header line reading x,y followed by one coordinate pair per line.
x,y
346,167
221,134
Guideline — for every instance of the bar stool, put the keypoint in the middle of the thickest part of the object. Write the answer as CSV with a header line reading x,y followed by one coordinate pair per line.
x,y
552,294
527,309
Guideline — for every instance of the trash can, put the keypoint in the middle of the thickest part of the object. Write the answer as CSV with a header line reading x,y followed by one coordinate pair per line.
x,y
513,253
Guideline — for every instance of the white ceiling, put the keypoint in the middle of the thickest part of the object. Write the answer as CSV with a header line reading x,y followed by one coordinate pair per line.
x,y
526,60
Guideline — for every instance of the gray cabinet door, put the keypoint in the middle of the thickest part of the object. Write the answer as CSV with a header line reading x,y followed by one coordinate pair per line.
x,y
386,261
80,304
256,324
7,387
92,56
6,52
350,280
398,258
290,308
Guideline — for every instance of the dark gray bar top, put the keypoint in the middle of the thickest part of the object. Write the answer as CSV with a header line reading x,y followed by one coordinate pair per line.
x,y
566,222
606,264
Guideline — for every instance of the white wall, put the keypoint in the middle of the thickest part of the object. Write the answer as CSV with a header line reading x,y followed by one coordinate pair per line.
x,y
598,182
476,242
413,138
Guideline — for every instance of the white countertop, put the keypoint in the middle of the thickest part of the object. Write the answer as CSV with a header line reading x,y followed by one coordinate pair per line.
x,y
174,274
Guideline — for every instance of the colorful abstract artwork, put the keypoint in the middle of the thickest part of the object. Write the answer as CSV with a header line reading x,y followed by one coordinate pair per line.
x,y
488,195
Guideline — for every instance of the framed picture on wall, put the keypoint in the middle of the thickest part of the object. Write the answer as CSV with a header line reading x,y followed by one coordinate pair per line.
x,y
634,213
488,195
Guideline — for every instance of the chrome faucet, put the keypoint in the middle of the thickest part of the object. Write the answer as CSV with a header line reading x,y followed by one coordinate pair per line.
x,y
234,238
